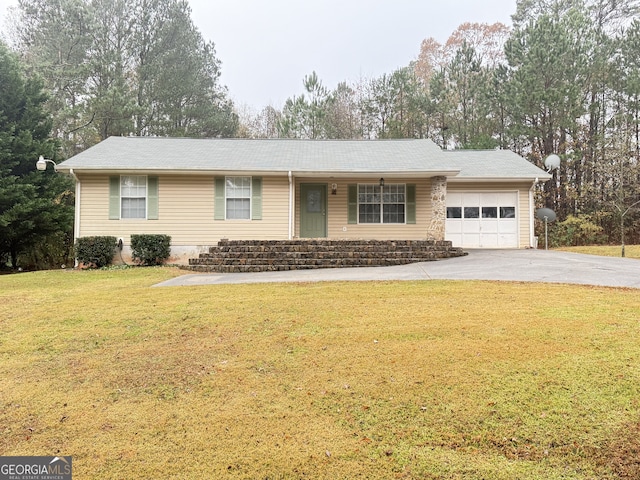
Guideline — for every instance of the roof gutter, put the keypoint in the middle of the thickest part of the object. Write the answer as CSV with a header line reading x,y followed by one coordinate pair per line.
x,y
532,207
299,173
76,214
378,173
540,178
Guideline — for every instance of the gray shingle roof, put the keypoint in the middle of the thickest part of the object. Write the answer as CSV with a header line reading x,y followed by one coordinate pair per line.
x,y
330,157
492,164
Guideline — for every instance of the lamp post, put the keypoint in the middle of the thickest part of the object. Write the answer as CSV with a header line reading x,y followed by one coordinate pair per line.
x,y
551,163
41,164
621,206
546,234
622,214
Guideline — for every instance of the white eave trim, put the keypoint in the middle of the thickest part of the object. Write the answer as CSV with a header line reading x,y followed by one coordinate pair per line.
x,y
265,173
378,174
541,178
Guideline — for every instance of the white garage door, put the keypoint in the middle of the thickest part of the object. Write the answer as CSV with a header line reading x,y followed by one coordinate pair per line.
x,y
482,220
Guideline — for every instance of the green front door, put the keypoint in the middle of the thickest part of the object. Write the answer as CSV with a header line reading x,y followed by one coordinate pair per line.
x,y
313,210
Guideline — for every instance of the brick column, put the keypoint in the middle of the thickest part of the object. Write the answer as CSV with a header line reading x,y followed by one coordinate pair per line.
x,y
435,230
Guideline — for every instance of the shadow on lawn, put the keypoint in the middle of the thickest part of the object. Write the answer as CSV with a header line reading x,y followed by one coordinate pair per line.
x,y
622,454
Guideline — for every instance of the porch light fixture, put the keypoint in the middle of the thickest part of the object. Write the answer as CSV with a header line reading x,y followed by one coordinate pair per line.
x,y
381,182
334,189
41,164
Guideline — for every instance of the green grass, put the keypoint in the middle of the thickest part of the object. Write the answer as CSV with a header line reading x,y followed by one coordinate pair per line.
x,y
630,251
424,380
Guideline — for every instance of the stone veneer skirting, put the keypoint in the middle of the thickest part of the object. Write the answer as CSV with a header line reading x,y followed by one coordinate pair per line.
x,y
259,256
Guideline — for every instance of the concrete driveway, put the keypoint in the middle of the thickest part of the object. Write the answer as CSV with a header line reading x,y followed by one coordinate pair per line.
x,y
508,265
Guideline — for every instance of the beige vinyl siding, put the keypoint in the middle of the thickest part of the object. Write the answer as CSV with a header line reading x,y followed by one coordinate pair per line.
x,y
339,228
186,211
524,218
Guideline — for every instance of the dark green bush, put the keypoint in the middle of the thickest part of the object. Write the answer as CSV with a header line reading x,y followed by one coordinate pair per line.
x,y
95,251
150,249
48,252
575,231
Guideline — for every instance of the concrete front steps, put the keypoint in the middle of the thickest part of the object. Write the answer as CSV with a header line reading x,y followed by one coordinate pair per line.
x,y
232,256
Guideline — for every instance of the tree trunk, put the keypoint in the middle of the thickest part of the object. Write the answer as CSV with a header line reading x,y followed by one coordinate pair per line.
x,y
14,257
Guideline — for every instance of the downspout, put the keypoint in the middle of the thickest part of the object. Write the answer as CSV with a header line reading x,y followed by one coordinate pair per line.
x,y
291,210
532,206
76,216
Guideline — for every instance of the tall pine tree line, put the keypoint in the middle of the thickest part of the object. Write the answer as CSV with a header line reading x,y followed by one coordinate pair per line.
x,y
123,67
36,208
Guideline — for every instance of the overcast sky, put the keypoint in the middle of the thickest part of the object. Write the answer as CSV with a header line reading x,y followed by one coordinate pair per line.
x,y
268,46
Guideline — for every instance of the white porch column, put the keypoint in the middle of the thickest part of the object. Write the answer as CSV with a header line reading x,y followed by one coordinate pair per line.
x,y
291,205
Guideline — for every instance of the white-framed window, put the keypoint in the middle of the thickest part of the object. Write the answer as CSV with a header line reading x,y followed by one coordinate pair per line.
x,y
133,196
238,198
481,212
378,204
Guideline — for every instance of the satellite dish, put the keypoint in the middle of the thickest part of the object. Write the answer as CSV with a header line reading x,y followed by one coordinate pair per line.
x,y
545,214
552,162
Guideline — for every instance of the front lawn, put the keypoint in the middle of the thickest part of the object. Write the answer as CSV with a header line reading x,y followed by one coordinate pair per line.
x,y
630,251
379,380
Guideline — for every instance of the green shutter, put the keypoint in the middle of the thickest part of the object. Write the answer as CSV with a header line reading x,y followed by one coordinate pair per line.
x,y
152,198
411,204
352,215
256,198
114,198
219,196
